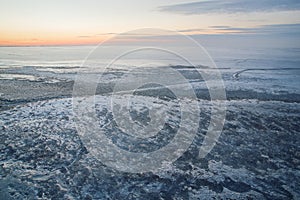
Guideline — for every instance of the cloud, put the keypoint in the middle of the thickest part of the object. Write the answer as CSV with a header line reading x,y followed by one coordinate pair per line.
x,y
191,30
232,6
264,29
278,29
95,35
84,36
266,36
106,34
271,29
228,28
219,27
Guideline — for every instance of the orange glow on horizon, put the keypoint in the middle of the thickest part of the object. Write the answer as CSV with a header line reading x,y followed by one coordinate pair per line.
x,y
59,41
63,39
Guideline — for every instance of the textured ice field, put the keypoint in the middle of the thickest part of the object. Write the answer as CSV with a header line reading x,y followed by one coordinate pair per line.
x,y
256,157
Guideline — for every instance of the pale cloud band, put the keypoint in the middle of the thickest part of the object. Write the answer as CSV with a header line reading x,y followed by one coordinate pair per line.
x,y
232,6
265,29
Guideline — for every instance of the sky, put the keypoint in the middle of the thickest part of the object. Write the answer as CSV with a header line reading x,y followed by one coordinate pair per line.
x,y
73,22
